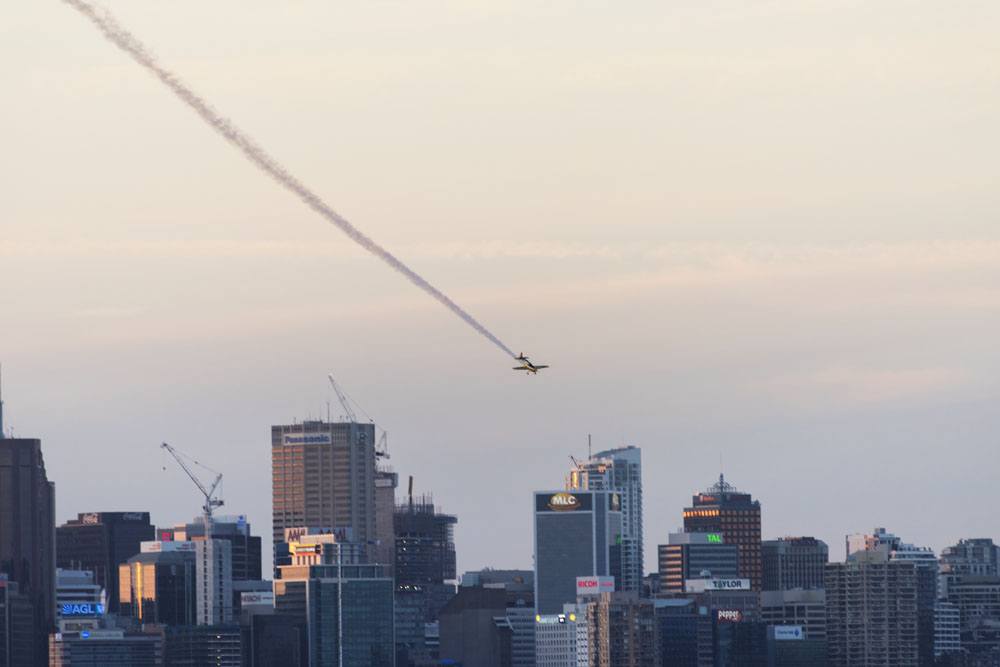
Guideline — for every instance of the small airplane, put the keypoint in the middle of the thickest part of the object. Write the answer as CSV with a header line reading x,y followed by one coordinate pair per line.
x,y
527,365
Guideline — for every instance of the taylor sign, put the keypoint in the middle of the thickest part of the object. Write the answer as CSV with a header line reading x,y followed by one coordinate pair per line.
x,y
594,585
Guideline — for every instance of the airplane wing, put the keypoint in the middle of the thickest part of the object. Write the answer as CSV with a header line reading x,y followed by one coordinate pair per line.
x,y
541,366
521,368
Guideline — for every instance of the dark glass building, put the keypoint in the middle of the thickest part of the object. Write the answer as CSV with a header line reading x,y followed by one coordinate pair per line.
x,y
794,562
107,648
17,626
159,587
100,542
577,534
475,630
723,509
215,645
347,611
27,532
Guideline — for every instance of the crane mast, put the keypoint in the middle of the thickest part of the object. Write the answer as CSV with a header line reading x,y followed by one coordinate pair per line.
x,y
211,501
382,446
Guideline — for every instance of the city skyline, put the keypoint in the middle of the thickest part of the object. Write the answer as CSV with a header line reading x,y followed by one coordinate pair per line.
x,y
764,233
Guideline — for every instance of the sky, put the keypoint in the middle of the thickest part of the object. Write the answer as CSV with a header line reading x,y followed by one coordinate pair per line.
x,y
762,236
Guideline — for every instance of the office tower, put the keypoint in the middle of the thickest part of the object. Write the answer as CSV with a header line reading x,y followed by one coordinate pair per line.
x,y
215,645
793,562
787,646
214,580
802,608
100,542
618,470
723,509
927,579
557,638
871,611
621,631
27,534
80,601
347,611
519,587
474,629
244,546
17,626
110,647
386,482
158,585
271,639
323,474
576,535
691,555
683,632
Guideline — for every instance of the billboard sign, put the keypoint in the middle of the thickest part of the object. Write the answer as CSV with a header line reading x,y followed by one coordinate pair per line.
x,y
788,632
594,585
715,585
160,546
81,609
307,439
563,501
264,598
729,615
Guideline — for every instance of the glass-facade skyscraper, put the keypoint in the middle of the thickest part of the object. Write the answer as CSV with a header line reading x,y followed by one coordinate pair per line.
x,y
577,534
618,470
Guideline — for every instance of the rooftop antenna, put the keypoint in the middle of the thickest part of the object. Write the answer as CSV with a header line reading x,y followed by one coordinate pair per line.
x,y
410,493
590,448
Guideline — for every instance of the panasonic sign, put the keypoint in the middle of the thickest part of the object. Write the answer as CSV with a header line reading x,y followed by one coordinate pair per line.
x,y
307,439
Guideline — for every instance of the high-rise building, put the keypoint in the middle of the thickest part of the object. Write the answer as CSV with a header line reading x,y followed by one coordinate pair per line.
x,y
158,585
323,474
108,647
926,564
618,470
576,535
347,611
519,587
802,608
978,557
723,509
558,638
100,542
793,562
978,602
214,581
425,571
27,534
215,645
80,601
244,546
622,631
684,631
947,629
691,555
17,626
475,631
871,611
386,482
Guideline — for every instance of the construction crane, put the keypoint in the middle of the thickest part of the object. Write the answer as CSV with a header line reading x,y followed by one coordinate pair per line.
x,y
211,501
382,446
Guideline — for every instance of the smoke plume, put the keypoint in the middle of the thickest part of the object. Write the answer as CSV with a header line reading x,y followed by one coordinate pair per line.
x,y
127,42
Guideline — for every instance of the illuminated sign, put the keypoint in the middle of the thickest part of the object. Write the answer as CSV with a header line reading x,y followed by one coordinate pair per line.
x,y
90,519
564,502
730,615
594,585
296,549
307,439
614,502
788,632
133,516
714,538
81,609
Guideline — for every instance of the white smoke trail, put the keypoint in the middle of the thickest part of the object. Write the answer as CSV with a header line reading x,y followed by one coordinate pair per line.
x,y
127,42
